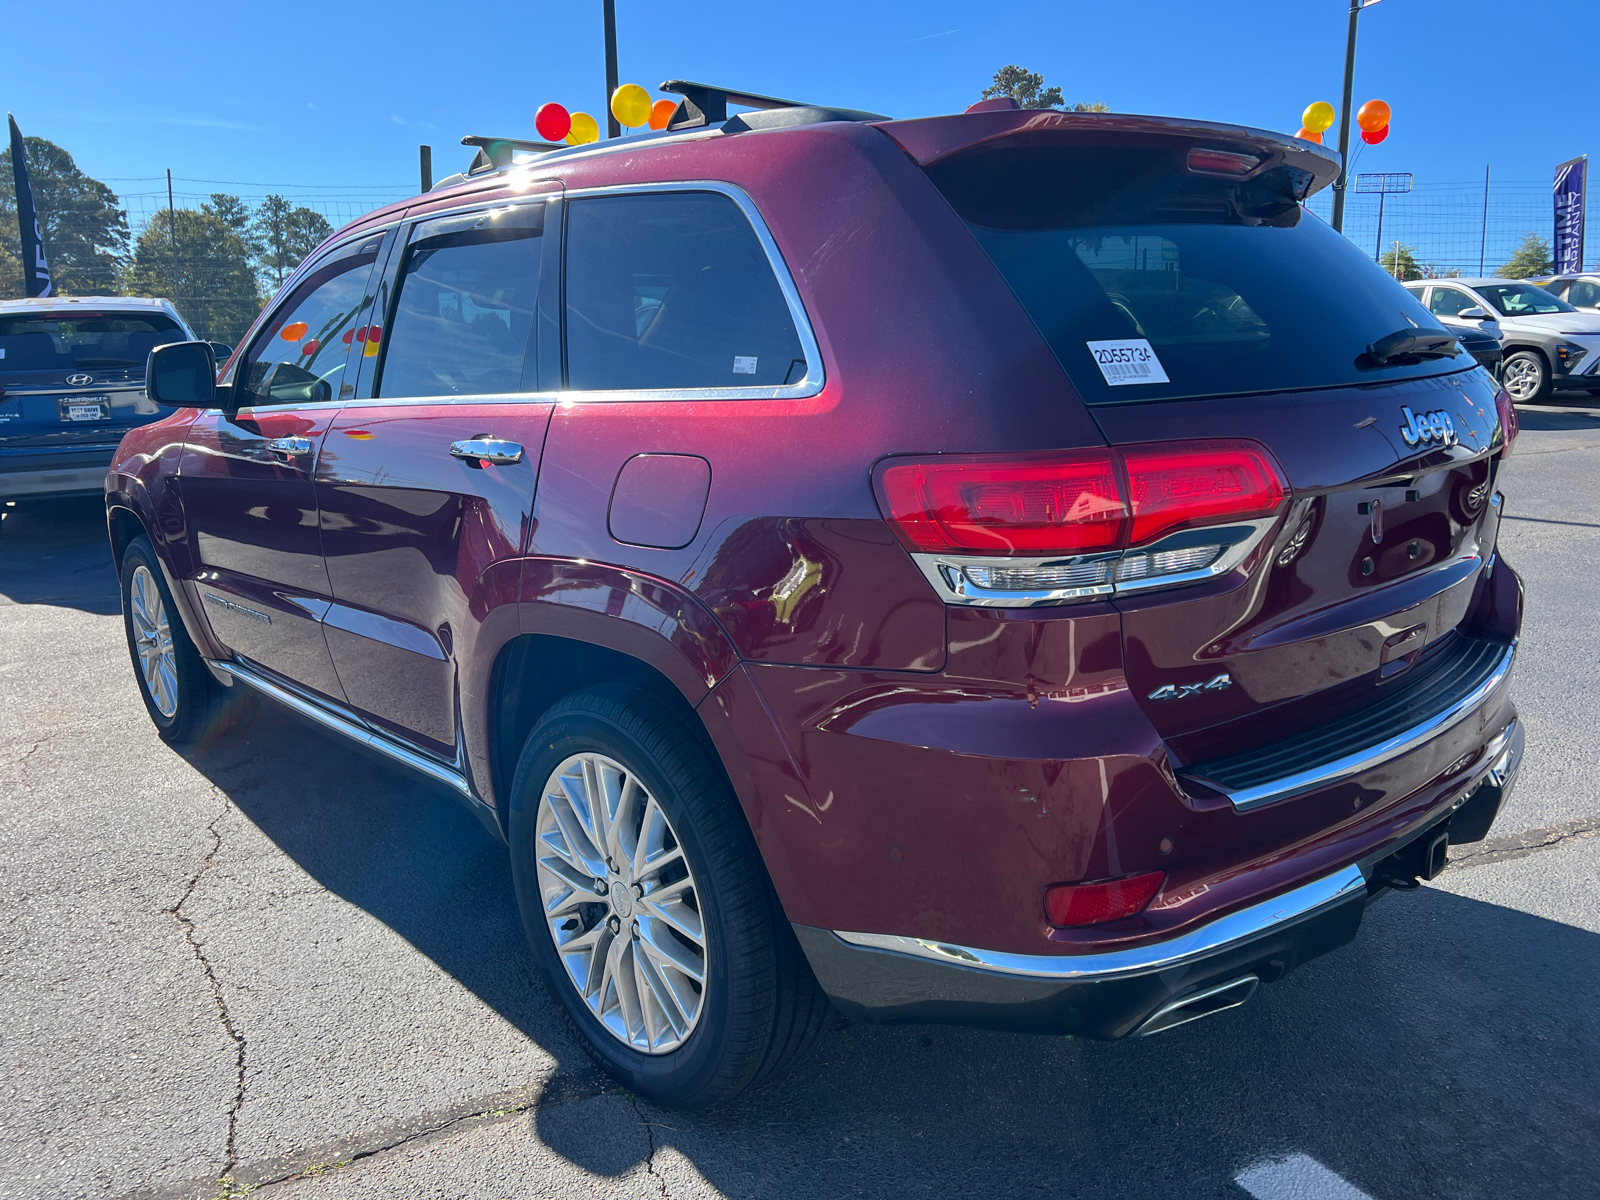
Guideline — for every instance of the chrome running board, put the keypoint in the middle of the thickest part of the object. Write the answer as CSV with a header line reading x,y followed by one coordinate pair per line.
x,y
350,726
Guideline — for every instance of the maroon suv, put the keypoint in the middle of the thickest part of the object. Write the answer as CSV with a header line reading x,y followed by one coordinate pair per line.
x,y
1017,569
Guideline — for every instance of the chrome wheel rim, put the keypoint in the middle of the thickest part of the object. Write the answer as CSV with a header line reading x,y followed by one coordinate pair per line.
x,y
1521,379
621,903
152,642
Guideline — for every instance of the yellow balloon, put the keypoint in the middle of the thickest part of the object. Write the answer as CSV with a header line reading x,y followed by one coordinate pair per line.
x,y
630,105
1318,116
584,129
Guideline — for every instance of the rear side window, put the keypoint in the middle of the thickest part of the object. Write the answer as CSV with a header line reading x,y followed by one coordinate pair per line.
x,y
673,290
1153,282
468,291
1584,294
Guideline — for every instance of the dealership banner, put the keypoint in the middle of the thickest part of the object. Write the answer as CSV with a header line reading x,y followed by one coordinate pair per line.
x,y
35,273
1569,215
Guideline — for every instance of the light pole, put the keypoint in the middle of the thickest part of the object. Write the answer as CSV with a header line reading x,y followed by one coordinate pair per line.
x,y
1344,114
613,129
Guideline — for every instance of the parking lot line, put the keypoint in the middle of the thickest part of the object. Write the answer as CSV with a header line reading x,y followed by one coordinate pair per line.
x,y
1298,1177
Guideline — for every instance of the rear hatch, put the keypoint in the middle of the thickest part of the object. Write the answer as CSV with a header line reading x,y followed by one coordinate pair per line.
x,y
75,379
1194,302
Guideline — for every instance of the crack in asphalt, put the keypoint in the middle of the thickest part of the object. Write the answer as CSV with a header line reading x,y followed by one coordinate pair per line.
x,y
650,1159
1531,841
27,754
230,1158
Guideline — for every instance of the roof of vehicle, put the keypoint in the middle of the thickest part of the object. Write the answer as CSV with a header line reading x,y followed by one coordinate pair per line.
x,y
1541,280
125,303
1487,279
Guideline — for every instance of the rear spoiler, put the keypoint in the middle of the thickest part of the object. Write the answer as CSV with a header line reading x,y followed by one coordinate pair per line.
x,y
929,139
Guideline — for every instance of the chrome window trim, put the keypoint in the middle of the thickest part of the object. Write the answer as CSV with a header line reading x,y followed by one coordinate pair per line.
x,y
1223,933
947,572
1351,765
816,375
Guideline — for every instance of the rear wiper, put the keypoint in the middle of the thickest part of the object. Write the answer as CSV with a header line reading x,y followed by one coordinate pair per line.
x,y
1410,345
106,362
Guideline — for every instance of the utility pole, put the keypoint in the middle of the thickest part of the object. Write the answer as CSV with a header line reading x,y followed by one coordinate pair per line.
x,y
426,154
1344,115
1483,242
613,128
172,232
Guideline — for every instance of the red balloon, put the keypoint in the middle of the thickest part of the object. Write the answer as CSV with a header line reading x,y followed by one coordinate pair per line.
x,y
553,122
311,347
349,336
1373,136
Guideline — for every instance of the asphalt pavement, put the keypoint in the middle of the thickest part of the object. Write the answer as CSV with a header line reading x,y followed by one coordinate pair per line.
x,y
275,965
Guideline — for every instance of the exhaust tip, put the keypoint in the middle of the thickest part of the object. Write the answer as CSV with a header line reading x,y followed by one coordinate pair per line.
x,y
1199,1004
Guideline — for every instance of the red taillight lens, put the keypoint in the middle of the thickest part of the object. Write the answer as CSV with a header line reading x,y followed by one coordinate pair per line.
x,y
1221,162
1179,485
1016,505
1071,904
1508,419
1076,502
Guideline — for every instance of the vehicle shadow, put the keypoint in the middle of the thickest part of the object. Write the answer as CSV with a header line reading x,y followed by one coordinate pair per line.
x,y
1566,411
1450,1051
56,552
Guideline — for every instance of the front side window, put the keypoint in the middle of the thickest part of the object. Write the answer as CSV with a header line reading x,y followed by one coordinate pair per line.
x,y
300,354
1522,299
467,294
1449,302
1584,294
673,290
1153,280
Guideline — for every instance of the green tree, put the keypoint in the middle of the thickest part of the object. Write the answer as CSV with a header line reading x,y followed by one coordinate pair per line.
x,y
211,278
1027,89
285,234
1532,258
85,230
1407,255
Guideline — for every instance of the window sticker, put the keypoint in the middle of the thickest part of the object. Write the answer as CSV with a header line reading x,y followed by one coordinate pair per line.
x,y
744,365
1130,360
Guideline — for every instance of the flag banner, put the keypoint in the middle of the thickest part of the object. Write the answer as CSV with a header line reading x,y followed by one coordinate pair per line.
x,y
1569,216
35,272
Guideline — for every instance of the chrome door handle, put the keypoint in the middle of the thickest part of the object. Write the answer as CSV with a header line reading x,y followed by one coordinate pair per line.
x,y
290,446
484,450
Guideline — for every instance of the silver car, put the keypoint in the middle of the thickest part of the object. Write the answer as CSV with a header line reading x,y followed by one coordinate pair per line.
x,y
1580,291
1548,344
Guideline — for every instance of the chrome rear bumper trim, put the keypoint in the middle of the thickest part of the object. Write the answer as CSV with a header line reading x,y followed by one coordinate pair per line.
x,y
350,727
1221,934
1373,756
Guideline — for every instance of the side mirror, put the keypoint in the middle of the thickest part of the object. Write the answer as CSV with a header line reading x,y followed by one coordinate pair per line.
x,y
182,375
220,352
1475,313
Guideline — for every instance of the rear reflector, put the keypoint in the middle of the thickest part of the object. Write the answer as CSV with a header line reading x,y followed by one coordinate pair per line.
x,y
1071,904
1074,503
1508,419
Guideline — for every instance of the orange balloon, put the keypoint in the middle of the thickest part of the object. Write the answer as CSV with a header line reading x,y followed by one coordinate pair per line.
x,y
1310,135
293,333
661,112
1373,115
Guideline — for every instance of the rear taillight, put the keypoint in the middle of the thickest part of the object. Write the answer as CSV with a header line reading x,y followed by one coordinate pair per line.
x,y
1075,503
1071,904
1204,161
1014,505
1508,420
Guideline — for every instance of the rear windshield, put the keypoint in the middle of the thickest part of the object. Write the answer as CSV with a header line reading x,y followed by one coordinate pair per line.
x,y
1151,282
52,341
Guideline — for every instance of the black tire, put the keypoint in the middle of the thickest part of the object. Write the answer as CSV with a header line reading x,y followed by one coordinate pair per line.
x,y
199,704
760,1004
1527,373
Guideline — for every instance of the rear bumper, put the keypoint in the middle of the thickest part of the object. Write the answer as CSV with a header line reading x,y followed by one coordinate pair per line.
x,y
1116,992
38,482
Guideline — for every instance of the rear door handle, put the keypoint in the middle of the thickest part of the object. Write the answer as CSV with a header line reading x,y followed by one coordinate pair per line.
x,y
290,446
485,449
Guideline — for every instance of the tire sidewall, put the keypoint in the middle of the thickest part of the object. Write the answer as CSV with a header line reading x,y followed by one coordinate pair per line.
x,y
139,554
681,1072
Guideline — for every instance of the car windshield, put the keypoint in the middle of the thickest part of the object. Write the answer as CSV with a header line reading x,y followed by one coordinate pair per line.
x,y
65,341
1151,281
1522,299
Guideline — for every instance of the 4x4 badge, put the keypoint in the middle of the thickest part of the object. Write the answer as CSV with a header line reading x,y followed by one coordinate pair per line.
x,y
1178,691
1432,426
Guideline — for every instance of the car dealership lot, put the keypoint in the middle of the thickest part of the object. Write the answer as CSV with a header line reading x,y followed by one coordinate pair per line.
x,y
276,956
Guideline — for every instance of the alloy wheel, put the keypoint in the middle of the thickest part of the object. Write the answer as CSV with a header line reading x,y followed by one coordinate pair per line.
x,y
1521,378
152,642
621,903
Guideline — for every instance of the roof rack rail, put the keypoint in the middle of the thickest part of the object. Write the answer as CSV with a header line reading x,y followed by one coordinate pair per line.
x,y
497,151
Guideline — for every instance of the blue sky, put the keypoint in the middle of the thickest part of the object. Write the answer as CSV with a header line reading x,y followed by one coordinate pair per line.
x,y
341,94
